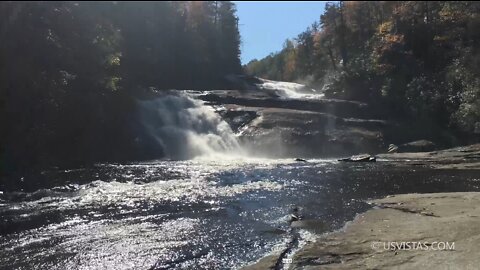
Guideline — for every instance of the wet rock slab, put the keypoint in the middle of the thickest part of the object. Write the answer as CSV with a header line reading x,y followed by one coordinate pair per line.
x,y
464,157
440,217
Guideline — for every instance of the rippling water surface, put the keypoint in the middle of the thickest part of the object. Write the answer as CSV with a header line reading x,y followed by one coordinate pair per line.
x,y
196,214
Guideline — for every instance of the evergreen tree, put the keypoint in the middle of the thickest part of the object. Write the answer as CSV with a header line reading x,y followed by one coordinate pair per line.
x,y
70,72
417,60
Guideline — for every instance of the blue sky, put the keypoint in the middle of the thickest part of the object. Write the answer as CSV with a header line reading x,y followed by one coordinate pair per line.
x,y
264,26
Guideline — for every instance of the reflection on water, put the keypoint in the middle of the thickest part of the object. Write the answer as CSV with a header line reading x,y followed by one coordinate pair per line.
x,y
193,214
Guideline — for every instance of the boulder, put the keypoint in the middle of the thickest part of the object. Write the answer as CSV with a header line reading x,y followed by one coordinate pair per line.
x,y
359,158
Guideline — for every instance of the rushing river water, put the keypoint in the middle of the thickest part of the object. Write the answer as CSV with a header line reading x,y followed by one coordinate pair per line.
x,y
194,214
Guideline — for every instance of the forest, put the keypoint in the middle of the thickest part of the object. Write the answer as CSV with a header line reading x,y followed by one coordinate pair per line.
x,y
413,60
70,73
132,137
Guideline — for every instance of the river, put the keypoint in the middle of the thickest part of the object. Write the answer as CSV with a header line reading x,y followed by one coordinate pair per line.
x,y
196,214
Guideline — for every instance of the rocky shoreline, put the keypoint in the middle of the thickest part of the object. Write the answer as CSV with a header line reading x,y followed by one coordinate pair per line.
x,y
463,157
438,230
373,240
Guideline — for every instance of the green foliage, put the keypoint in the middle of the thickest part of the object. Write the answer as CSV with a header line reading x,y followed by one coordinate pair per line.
x,y
418,60
464,94
69,72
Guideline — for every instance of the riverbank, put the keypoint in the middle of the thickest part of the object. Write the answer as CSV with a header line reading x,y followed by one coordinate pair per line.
x,y
432,217
371,240
463,157
440,217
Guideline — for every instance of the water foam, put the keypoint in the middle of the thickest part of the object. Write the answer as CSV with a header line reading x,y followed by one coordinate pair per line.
x,y
290,90
185,128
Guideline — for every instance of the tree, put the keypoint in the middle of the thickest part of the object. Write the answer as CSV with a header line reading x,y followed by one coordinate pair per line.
x,y
70,73
417,60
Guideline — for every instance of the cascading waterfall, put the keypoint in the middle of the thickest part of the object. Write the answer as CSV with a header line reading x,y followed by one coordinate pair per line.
x,y
185,128
290,90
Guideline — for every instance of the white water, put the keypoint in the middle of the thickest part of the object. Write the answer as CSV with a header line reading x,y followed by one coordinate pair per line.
x,y
185,128
290,90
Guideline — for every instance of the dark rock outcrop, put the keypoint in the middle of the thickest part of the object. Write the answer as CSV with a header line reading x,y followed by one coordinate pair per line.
x,y
289,133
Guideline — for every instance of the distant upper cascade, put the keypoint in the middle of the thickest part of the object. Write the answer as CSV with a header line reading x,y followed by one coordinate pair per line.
x,y
290,90
185,128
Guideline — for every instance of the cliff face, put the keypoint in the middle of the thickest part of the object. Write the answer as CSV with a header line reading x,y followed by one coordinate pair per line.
x,y
279,119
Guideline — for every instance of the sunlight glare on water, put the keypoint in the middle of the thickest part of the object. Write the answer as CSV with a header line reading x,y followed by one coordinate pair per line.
x,y
206,213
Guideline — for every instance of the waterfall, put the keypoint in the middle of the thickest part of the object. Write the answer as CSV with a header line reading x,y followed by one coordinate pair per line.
x,y
290,90
185,128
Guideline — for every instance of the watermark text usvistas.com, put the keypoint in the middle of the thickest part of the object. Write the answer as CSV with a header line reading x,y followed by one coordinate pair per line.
x,y
413,245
